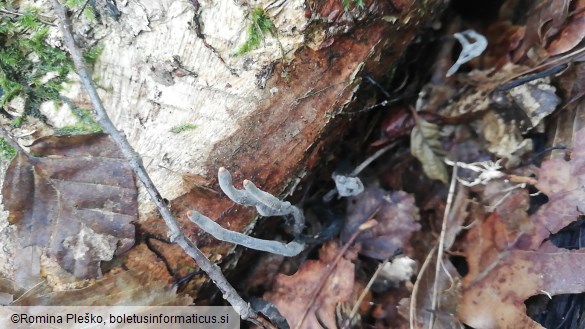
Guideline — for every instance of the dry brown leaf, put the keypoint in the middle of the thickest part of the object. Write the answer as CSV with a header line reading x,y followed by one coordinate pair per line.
x,y
544,21
293,294
572,33
505,115
501,277
515,112
508,261
503,138
562,181
426,147
572,83
448,295
397,218
9,291
504,38
76,198
446,290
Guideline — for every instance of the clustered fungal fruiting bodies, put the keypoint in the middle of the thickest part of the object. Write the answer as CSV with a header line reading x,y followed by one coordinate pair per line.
x,y
266,204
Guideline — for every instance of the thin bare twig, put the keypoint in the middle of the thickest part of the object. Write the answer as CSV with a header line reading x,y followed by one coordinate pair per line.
x,y
436,251
413,296
135,161
358,302
441,247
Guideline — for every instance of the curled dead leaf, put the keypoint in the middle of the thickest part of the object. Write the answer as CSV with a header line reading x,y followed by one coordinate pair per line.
x,y
572,33
426,147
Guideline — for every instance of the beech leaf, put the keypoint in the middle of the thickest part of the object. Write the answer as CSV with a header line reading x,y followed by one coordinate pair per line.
x,y
426,147
76,198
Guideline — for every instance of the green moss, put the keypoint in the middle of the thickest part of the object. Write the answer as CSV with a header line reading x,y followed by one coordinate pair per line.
x,y
360,4
183,127
85,125
88,11
34,70
78,129
29,67
18,121
92,54
6,151
260,23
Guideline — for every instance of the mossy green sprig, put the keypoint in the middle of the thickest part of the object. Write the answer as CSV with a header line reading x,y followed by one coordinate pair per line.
x,y
347,4
260,24
29,67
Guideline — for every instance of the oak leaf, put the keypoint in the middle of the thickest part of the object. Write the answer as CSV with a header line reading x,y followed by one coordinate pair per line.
x,y
502,277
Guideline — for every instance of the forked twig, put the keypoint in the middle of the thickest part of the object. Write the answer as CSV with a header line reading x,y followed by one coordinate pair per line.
x,y
135,161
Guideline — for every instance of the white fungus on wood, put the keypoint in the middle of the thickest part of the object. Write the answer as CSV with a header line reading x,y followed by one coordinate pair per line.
x,y
348,185
470,49
266,204
290,249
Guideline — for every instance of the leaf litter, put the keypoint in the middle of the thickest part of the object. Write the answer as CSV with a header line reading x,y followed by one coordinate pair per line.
x,y
501,233
492,225
509,256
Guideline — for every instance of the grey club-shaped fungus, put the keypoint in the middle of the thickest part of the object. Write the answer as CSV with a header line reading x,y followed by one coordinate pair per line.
x,y
266,204
470,50
290,249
